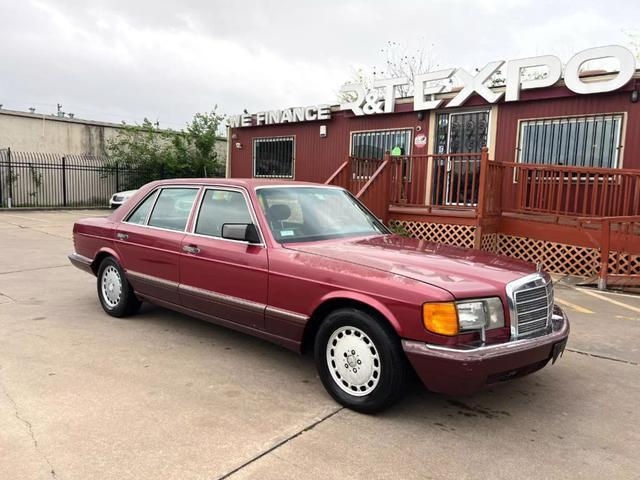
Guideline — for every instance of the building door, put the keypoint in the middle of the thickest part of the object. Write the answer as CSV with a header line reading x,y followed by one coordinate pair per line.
x,y
457,176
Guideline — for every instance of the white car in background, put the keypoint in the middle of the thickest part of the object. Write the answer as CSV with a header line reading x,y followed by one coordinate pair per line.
x,y
120,197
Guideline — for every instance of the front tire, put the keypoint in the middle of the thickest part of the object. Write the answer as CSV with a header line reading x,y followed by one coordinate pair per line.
x,y
360,360
114,291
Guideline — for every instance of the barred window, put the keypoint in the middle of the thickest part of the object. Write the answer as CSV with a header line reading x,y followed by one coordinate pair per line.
x,y
374,144
591,141
273,157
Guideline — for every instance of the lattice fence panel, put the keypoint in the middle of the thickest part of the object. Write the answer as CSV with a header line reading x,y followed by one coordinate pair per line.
x,y
571,259
624,263
554,257
459,235
489,242
527,249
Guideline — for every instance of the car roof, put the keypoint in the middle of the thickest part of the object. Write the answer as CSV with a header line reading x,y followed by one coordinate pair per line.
x,y
236,182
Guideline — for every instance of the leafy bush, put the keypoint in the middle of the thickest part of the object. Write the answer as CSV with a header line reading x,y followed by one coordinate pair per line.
x,y
189,152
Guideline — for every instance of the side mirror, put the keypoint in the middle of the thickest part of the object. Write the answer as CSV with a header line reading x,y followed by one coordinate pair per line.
x,y
244,232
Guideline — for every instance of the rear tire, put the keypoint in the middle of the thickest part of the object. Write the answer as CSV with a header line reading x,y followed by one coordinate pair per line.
x,y
114,291
360,360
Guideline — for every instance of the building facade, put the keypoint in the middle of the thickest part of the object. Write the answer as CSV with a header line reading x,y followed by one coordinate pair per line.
x,y
40,133
564,149
32,132
550,126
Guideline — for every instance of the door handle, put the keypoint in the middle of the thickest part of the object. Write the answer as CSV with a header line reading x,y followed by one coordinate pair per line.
x,y
122,236
190,249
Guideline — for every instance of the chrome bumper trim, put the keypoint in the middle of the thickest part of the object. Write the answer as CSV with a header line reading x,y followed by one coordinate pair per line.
x,y
223,299
152,280
287,315
560,332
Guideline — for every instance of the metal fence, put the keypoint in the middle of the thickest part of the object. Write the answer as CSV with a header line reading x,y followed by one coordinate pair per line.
x,y
53,180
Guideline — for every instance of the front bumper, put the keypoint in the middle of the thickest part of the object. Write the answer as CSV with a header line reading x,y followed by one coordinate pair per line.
x,y
459,371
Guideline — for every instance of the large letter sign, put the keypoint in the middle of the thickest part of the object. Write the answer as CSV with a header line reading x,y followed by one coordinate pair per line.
x,y
515,68
476,84
421,89
627,68
360,93
381,97
389,85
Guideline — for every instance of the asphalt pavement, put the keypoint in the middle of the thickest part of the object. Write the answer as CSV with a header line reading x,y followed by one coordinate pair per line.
x,y
160,395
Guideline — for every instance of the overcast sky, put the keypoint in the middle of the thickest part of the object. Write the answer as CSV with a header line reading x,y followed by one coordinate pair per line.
x,y
119,60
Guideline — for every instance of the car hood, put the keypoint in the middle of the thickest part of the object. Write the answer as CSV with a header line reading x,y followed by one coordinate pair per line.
x,y
464,273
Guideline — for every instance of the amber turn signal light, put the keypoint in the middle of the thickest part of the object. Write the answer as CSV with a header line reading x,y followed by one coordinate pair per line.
x,y
440,318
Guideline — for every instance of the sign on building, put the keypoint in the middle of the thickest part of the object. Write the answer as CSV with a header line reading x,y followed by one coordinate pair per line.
x,y
381,98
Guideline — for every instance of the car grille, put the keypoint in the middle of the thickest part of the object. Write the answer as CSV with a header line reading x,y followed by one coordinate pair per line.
x,y
118,198
533,305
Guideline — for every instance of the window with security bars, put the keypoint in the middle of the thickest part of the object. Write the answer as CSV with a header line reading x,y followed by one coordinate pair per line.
x,y
273,157
588,141
374,144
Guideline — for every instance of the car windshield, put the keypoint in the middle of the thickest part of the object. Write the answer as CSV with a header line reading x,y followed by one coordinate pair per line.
x,y
304,214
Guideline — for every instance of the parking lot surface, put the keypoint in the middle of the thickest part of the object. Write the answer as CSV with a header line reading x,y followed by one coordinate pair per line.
x,y
160,395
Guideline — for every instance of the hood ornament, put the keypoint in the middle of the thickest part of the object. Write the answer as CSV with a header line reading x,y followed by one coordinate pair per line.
x,y
538,266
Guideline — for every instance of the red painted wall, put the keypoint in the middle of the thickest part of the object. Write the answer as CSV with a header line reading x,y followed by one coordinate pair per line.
x,y
567,105
317,158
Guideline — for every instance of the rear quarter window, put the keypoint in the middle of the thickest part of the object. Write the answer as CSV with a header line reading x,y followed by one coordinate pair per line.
x,y
139,215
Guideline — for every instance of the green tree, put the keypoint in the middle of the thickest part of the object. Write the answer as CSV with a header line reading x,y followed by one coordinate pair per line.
x,y
152,152
138,146
195,146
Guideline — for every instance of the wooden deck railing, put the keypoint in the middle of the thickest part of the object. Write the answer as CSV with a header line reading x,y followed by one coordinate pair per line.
x,y
603,203
408,175
442,181
368,179
355,173
375,193
340,178
471,181
572,191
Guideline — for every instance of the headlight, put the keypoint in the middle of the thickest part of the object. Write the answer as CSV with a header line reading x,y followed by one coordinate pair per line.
x,y
452,318
485,313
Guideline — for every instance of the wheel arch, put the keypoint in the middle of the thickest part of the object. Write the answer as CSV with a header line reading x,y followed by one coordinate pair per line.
x,y
340,300
100,256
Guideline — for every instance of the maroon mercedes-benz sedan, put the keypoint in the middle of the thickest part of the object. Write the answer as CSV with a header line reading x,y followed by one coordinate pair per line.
x,y
310,268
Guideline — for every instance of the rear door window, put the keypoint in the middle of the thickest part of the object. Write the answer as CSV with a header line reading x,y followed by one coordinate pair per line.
x,y
172,208
220,207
